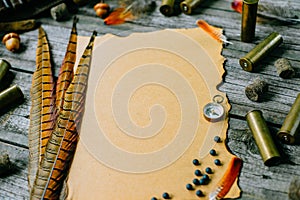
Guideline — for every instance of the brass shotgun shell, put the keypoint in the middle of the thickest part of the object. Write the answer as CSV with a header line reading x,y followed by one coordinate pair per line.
x,y
289,132
167,7
4,67
188,6
250,60
10,95
249,13
262,137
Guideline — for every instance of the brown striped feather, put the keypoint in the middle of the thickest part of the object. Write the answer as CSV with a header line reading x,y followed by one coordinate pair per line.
x,y
66,70
48,116
42,109
62,143
64,79
35,114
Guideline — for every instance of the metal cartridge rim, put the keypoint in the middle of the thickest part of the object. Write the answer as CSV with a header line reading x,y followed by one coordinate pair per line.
x,y
186,9
166,7
166,10
289,132
246,64
188,6
286,137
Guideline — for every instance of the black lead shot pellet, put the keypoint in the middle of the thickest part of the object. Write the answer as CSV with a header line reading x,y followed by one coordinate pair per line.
x,y
189,186
153,198
199,193
217,162
196,181
203,181
208,170
198,172
213,152
205,177
217,139
166,195
196,162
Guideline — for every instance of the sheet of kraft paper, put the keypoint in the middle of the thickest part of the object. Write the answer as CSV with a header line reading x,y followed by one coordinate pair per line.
x,y
143,123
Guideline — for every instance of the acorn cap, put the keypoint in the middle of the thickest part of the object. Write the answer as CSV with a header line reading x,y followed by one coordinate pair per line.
x,y
9,36
104,6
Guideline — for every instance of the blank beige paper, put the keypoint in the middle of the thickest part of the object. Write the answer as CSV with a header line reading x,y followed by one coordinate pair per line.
x,y
143,123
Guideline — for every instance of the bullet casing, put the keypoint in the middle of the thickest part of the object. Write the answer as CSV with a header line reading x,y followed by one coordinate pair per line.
x,y
262,137
289,132
4,67
167,7
251,59
188,6
249,13
10,95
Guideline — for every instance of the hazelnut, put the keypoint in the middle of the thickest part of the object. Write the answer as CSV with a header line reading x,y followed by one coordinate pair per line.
x,y
101,9
11,41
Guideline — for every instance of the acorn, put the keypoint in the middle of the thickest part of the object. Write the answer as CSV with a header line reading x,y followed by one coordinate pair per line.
x,y
12,41
101,9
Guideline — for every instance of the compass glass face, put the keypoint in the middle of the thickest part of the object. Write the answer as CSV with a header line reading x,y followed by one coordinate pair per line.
x,y
213,111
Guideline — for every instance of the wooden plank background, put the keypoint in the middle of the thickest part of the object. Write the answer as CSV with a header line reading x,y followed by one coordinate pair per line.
x,y
256,180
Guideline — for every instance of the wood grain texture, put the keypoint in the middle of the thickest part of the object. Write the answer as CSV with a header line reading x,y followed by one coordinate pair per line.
x,y
256,180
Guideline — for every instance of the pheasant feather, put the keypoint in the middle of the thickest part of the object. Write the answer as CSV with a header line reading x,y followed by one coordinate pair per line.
x,y
63,140
66,71
42,109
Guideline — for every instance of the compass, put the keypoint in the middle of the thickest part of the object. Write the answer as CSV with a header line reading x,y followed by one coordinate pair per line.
x,y
214,111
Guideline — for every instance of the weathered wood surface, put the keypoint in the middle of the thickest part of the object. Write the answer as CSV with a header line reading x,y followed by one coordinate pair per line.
x,y
257,181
